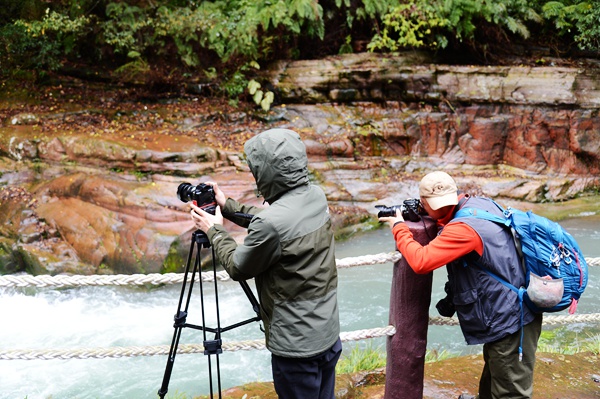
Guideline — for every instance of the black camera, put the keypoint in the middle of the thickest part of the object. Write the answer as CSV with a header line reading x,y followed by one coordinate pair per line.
x,y
203,194
445,306
411,209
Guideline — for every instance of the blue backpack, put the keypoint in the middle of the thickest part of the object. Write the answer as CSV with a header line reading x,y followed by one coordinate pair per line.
x,y
551,258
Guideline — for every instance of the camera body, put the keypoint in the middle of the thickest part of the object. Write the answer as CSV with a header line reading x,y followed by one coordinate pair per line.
x,y
411,209
203,194
445,306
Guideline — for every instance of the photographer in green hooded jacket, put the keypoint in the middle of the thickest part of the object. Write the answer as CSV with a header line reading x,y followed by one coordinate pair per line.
x,y
289,250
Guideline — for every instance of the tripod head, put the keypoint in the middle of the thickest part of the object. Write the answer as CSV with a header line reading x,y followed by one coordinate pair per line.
x,y
199,237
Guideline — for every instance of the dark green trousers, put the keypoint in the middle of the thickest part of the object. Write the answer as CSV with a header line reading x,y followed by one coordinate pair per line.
x,y
504,376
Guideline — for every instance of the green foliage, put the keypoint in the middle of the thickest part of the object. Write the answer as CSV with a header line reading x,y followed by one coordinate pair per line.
x,y
431,24
346,48
229,28
508,14
411,25
582,20
592,344
563,341
238,31
12,10
264,99
126,28
248,28
41,44
260,97
361,359
133,71
364,10
57,28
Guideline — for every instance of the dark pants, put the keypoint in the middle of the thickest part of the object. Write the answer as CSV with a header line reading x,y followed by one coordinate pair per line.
x,y
306,378
504,376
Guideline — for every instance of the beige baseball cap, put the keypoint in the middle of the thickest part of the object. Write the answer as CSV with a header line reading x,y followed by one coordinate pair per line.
x,y
439,189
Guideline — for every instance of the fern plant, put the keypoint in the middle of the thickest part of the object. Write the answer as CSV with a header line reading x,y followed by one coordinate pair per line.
x,y
582,20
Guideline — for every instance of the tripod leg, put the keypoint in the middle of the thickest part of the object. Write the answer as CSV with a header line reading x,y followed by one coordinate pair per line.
x,y
218,334
213,347
251,297
180,320
170,362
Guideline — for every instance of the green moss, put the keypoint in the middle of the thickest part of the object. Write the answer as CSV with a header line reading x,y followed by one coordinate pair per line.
x,y
174,261
29,262
585,205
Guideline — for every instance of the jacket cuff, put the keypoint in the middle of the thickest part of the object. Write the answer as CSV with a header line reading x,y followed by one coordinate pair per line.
x,y
214,231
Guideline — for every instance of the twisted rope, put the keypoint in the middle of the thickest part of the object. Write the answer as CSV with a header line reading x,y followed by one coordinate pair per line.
x,y
116,352
258,344
364,260
548,319
43,281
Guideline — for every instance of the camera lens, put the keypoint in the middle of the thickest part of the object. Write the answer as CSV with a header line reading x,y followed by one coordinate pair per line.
x,y
387,211
185,192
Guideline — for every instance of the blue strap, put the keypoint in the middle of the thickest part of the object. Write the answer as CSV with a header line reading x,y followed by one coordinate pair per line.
x,y
481,214
520,292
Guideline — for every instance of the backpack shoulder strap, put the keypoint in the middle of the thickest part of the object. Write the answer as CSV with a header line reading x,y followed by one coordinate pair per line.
x,y
504,221
481,214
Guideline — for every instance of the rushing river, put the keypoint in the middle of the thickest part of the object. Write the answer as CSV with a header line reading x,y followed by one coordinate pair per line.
x,y
100,317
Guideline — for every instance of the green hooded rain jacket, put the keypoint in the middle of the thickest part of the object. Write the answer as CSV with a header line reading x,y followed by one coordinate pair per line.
x,y
289,249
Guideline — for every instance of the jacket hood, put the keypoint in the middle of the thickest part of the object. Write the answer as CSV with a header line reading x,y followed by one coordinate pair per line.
x,y
277,159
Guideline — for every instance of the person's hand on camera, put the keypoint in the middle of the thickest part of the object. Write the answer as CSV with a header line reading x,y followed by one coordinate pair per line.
x,y
391,220
219,195
204,220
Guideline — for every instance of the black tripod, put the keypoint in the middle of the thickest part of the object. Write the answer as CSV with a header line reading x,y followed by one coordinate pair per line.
x,y
211,347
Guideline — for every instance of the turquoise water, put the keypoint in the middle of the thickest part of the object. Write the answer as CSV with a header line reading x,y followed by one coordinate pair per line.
x,y
116,316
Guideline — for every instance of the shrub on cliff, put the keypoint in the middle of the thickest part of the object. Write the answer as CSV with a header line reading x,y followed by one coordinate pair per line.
x,y
219,40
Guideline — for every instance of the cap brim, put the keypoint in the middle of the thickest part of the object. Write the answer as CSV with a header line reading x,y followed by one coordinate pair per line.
x,y
436,203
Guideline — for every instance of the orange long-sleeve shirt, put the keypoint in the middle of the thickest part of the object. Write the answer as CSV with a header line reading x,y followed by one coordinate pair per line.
x,y
455,240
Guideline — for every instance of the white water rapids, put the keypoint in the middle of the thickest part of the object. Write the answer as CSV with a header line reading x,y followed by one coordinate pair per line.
x,y
120,316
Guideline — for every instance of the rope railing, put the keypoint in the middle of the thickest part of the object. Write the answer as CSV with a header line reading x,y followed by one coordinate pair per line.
x,y
258,344
44,281
62,281
115,352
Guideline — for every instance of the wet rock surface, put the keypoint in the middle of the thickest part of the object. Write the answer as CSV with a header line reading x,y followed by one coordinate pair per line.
x,y
88,174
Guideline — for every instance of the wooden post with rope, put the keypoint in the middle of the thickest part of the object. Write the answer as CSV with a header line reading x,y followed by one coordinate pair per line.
x,y
410,298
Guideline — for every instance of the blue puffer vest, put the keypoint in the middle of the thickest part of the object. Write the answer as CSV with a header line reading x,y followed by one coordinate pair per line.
x,y
486,309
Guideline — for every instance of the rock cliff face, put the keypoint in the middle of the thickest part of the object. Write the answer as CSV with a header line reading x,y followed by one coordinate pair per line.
x,y
544,120
97,196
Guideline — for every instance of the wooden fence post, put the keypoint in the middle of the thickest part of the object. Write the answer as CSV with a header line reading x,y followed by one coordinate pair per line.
x,y
409,312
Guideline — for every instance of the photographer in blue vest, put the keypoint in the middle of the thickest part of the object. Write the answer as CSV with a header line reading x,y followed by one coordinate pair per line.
x,y
489,312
